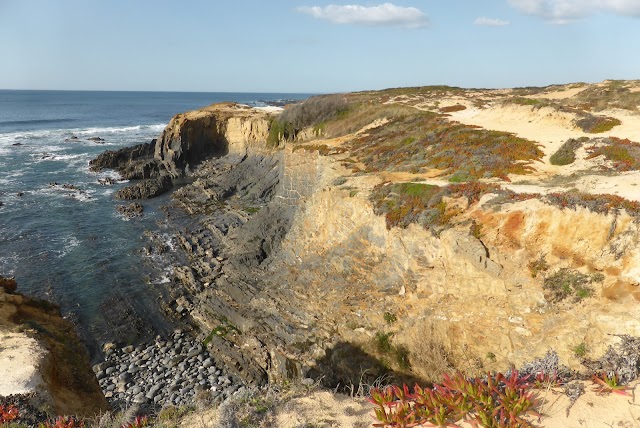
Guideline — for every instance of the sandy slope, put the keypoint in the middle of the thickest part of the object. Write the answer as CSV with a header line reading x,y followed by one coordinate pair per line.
x,y
327,410
551,129
20,357
323,409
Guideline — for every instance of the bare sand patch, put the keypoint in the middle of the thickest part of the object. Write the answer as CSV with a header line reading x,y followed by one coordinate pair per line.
x,y
560,95
20,359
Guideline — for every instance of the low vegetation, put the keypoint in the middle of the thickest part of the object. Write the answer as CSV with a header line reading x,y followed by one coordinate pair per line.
x,y
568,283
399,354
539,265
452,109
593,124
580,350
408,139
423,141
424,204
601,204
406,203
566,154
522,101
312,112
493,401
613,94
623,154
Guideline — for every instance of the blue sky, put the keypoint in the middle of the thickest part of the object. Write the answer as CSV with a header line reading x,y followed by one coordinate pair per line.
x,y
314,45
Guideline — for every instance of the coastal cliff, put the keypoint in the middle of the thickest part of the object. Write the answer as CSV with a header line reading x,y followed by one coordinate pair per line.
x,y
219,130
290,265
394,237
403,233
42,354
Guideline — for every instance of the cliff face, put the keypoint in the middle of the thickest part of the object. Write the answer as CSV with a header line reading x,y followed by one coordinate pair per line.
x,y
218,130
224,129
290,271
474,297
41,353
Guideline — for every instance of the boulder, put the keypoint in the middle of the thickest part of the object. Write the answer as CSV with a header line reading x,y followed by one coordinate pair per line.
x,y
132,210
146,189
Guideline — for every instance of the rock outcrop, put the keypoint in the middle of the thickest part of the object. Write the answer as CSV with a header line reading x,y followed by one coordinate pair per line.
x,y
131,162
225,129
145,189
46,357
288,270
132,210
216,130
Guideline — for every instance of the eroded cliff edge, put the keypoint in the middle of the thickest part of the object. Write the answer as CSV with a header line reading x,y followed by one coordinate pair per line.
x,y
294,269
42,354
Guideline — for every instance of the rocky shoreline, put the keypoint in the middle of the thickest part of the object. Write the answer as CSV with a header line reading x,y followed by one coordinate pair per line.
x,y
180,368
174,371
229,222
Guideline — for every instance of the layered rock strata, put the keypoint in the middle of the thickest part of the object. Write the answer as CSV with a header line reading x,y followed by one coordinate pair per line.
x,y
289,271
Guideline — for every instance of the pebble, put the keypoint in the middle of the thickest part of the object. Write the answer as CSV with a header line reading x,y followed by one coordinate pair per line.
x,y
168,371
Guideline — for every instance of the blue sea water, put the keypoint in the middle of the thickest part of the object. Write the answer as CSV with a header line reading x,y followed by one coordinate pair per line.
x,y
70,245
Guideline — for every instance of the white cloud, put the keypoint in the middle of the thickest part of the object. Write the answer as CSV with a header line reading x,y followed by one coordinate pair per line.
x,y
563,11
386,14
490,22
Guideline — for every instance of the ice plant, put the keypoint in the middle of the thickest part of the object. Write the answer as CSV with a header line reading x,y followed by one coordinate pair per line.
x,y
495,401
605,384
8,413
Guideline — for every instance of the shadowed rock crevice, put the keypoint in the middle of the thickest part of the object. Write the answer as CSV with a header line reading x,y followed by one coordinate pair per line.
x,y
348,366
186,142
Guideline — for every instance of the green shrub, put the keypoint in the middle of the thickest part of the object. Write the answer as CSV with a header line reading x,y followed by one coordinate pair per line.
x,y
279,131
566,154
580,350
401,354
383,342
390,318
566,283
313,112
523,101
453,109
460,177
538,265
593,124
475,230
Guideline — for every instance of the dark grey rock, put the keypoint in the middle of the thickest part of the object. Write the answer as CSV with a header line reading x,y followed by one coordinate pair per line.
x,y
146,189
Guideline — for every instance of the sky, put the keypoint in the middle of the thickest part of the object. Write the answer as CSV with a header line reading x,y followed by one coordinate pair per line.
x,y
314,46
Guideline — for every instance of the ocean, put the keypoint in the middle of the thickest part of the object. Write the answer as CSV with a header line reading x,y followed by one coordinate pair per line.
x,y
60,235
